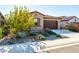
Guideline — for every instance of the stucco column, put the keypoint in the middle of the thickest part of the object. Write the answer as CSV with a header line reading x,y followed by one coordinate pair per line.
x,y
58,24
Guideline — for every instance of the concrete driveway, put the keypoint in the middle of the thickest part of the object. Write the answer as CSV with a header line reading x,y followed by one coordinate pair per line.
x,y
66,33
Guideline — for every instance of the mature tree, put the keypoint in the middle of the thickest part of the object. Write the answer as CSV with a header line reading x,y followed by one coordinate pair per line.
x,y
19,19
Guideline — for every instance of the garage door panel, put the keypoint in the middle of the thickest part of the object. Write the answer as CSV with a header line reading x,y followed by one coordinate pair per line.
x,y
51,24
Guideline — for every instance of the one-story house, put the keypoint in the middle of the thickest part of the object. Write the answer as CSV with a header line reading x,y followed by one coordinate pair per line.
x,y
45,21
51,22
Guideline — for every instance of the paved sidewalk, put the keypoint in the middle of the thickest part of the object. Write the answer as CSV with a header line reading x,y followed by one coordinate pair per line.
x,y
60,43
66,49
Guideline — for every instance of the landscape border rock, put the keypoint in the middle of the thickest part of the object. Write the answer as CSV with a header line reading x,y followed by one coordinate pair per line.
x,y
29,47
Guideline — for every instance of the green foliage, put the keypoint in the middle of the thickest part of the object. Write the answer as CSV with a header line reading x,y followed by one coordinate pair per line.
x,y
19,20
1,35
71,27
21,35
41,37
32,34
57,35
50,32
44,34
38,35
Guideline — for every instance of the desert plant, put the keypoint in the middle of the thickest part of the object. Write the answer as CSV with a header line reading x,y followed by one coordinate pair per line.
x,y
19,20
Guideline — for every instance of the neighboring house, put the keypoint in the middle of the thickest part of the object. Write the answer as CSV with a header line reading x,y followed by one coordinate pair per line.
x,y
66,20
45,21
2,19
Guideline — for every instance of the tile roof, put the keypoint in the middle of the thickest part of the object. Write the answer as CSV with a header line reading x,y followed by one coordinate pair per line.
x,y
46,16
62,18
37,12
67,18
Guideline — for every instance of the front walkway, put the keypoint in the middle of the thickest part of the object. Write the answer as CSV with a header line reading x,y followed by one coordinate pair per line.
x,y
60,43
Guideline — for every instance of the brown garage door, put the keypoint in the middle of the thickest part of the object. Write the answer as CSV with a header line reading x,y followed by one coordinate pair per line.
x,y
51,24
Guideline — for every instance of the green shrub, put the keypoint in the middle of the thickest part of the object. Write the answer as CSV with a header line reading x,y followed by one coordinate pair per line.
x,y
43,39
38,36
57,35
21,35
19,19
50,32
6,30
44,33
71,27
1,35
33,34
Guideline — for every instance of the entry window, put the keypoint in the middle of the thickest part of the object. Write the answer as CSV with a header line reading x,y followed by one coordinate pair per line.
x,y
37,21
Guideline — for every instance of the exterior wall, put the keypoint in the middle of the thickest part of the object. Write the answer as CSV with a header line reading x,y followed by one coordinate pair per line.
x,y
58,24
63,23
37,15
50,19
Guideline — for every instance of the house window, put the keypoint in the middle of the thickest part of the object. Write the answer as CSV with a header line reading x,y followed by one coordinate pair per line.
x,y
2,23
37,21
75,20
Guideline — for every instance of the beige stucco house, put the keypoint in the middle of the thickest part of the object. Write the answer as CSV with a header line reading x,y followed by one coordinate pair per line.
x,y
45,21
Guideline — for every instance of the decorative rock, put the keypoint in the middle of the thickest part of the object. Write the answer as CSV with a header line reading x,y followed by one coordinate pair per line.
x,y
4,41
30,47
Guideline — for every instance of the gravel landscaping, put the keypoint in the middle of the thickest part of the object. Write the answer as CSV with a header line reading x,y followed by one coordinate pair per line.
x,y
24,37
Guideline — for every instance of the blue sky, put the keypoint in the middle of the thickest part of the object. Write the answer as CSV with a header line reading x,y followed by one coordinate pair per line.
x,y
54,10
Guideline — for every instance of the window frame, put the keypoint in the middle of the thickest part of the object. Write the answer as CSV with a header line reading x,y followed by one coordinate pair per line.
x,y
37,21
